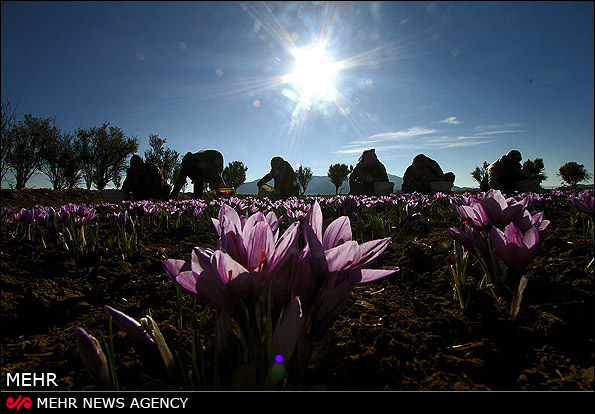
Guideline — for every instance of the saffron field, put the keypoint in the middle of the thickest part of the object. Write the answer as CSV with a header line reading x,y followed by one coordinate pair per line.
x,y
470,291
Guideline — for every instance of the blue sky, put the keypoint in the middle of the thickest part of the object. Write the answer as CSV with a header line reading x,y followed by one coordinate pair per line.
x,y
462,82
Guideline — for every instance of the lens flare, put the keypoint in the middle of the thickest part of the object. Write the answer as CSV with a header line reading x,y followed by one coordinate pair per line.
x,y
314,74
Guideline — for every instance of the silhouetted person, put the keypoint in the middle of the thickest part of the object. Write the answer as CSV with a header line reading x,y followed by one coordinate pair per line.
x,y
282,172
504,174
420,175
366,173
200,167
144,180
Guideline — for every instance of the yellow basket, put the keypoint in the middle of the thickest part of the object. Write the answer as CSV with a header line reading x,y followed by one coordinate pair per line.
x,y
265,190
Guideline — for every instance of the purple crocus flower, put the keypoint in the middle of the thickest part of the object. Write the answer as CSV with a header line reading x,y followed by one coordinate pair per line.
x,y
131,326
250,258
254,241
339,252
336,262
86,212
287,331
42,217
80,221
230,221
25,216
214,277
528,220
584,202
6,214
500,210
249,255
146,332
122,218
197,212
64,214
150,210
473,213
412,208
470,238
515,248
492,209
93,357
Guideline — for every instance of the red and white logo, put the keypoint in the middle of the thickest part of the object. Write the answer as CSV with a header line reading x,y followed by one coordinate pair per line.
x,y
18,403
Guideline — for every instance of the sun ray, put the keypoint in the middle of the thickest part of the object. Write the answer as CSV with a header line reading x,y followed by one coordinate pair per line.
x,y
312,76
268,21
245,88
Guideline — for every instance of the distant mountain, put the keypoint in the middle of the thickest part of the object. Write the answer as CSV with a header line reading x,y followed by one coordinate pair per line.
x,y
320,185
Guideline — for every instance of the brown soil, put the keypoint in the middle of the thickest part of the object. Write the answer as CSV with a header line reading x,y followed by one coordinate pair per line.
x,y
405,332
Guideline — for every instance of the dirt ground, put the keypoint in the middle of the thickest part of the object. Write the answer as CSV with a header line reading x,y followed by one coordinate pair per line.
x,y
405,332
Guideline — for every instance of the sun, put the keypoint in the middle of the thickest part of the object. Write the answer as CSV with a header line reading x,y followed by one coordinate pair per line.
x,y
314,74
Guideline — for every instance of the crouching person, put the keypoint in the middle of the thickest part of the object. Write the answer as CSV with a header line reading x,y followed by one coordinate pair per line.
x,y
282,173
368,172
505,174
144,181
425,176
201,167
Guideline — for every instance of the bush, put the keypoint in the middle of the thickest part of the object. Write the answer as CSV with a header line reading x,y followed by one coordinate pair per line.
x,y
574,173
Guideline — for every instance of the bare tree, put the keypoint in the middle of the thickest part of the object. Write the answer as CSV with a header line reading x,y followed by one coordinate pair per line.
x,y
103,152
479,173
166,159
83,148
31,136
61,162
8,125
304,176
338,173
72,163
